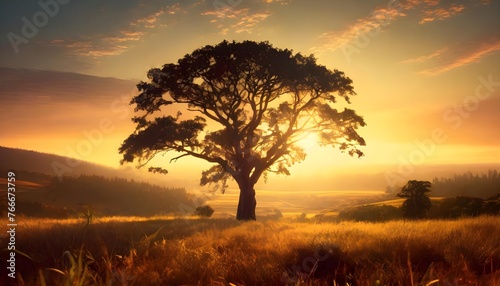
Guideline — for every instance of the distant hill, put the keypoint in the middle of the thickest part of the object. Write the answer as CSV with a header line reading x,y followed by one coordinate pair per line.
x,y
47,196
105,190
29,84
53,165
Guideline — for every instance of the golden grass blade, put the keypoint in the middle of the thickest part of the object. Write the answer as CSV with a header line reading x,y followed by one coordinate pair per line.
x,y
432,282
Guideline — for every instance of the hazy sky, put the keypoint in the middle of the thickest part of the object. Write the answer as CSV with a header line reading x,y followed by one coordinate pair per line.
x,y
427,72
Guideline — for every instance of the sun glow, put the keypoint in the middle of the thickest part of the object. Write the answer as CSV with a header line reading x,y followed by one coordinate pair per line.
x,y
309,142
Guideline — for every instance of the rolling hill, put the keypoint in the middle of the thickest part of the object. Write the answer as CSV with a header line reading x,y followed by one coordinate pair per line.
x,y
106,191
48,164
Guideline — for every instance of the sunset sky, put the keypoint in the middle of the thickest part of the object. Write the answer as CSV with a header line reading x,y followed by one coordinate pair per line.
x,y
426,73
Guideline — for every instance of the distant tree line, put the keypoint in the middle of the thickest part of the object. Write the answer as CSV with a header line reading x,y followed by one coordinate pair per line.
x,y
106,196
462,206
116,196
468,184
448,208
371,213
44,210
417,205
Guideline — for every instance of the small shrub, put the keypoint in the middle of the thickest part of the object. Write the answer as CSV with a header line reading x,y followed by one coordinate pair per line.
x,y
204,211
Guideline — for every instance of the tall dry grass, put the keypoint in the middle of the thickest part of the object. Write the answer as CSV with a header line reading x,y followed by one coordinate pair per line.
x,y
219,252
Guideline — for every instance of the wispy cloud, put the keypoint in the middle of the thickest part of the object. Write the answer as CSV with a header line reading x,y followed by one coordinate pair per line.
x,y
459,57
377,20
247,23
284,2
412,4
382,17
151,21
228,18
426,57
97,46
441,13
125,36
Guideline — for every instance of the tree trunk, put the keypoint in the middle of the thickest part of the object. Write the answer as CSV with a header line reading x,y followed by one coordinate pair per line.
x,y
246,203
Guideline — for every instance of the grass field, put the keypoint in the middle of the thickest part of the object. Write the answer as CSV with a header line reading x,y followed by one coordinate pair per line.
x,y
399,202
166,251
293,203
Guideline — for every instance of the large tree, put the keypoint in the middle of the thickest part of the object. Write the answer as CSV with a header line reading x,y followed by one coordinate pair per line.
x,y
250,103
417,201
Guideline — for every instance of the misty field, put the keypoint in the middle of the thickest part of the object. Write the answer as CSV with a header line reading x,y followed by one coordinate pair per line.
x,y
165,251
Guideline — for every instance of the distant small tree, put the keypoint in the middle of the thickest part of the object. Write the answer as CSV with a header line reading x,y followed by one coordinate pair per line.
x,y
204,211
274,214
301,218
417,201
88,215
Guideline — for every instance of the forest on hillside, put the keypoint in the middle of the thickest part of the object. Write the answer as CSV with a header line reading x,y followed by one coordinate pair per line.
x,y
117,196
463,195
468,184
102,196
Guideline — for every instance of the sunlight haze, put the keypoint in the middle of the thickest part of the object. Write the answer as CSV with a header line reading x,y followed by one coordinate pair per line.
x,y
426,74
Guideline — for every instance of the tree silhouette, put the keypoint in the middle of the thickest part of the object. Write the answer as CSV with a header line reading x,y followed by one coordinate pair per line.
x,y
417,201
204,211
261,98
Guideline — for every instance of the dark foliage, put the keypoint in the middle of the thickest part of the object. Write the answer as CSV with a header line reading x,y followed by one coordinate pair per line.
x,y
465,207
371,213
468,184
204,211
43,210
115,196
417,201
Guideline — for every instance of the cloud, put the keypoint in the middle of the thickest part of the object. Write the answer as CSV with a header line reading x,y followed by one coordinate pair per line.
x,y
125,36
238,20
382,17
114,44
473,53
441,13
151,21
377,20
427,57
283,2
412,4
96,47
247,23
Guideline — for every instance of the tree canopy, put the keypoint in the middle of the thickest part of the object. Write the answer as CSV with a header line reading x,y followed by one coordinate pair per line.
x,y
251,103
204,211
417,201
